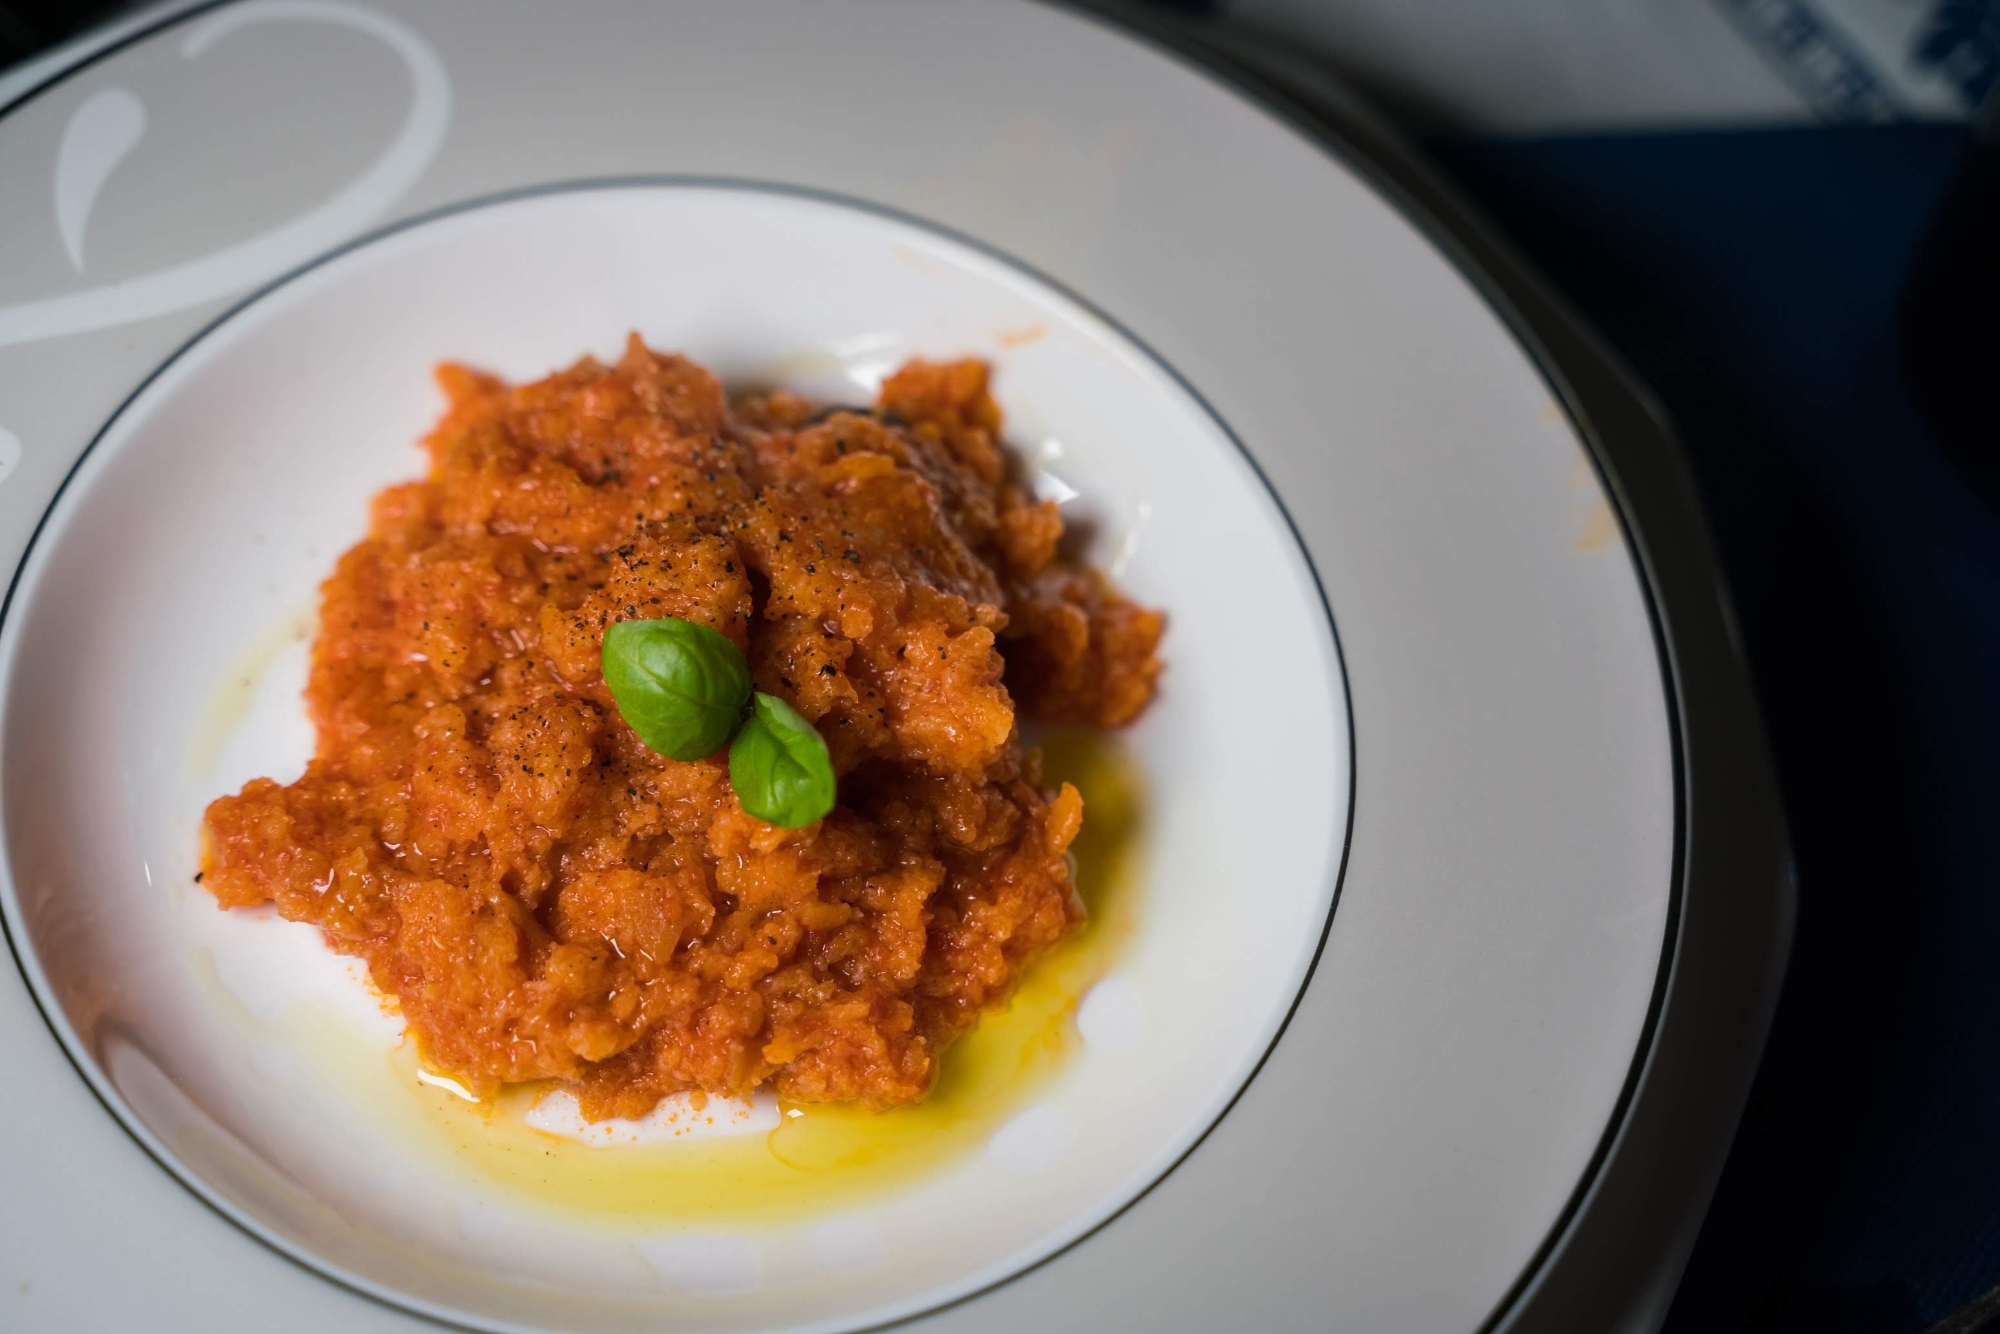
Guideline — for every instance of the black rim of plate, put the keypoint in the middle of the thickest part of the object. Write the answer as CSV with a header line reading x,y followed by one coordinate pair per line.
x,y
1704,649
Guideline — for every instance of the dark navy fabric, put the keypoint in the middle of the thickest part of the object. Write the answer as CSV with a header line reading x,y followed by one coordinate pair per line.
x,y
1756,281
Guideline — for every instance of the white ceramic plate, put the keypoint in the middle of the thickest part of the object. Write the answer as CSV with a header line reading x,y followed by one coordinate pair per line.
x,y
1424,1140
208,513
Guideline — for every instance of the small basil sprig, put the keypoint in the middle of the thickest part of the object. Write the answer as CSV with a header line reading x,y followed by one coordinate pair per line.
x,y
685,689
682,686
779,765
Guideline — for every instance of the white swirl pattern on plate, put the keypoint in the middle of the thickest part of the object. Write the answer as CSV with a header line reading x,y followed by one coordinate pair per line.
x,y
99,135
106,128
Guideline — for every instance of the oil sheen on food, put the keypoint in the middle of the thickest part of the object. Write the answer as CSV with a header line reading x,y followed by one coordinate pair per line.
x,y
822,1156
552,905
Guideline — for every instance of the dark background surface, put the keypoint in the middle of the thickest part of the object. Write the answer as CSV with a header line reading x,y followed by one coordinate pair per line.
x,y
27,26
1842,430
1758,281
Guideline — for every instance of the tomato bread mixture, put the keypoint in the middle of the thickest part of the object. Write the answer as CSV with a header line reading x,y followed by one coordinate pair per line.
x,y
546,898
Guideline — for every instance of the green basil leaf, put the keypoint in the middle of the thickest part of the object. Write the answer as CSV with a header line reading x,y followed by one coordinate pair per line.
x,y
779,766
681,686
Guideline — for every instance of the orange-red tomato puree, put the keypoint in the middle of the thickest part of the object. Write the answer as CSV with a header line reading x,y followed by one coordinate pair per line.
x,y
549,900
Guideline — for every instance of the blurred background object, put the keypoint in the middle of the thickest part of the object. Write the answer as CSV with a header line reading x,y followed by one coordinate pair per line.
x,y
1552,66
1781,214
1951,338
